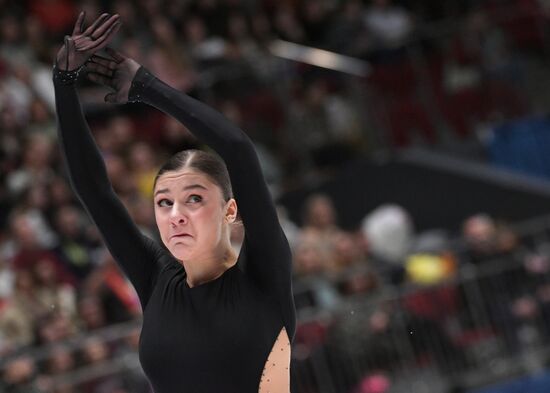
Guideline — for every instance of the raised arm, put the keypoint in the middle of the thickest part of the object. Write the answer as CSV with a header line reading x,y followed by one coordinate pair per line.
x,y
266,247
87,173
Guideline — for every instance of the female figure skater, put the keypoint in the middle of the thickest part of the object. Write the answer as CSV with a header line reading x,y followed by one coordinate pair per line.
x,y
213,322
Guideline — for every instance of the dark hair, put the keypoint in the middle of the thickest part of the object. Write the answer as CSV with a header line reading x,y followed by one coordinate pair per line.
x,y
205,162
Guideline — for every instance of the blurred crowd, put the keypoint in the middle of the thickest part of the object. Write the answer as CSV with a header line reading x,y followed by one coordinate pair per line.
x,y
58,283
387,295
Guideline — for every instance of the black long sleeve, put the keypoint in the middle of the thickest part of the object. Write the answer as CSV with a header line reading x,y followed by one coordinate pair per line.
x,y
135,253
268,258
267,251
226,327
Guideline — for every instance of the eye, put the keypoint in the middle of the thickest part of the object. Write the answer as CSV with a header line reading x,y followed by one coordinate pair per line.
x,y
194,198
161,202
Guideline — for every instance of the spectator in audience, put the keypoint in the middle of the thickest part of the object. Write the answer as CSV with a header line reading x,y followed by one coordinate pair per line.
x,y
61,360
24,307
321,245
479,233
323,126
91,312
96,352
352,271
17,91
122,132
28,247
144,168
205,49
34,206
74,245
310,256
18,375
389,26
53,327
41,120
389,233
431,260
370,335
11,143
36,167
286,25
502,293
13,47
143,214
310,264
346,252
173,137
319,217
60,193
348,23
487,239
112,292
314,16
53,293
119,174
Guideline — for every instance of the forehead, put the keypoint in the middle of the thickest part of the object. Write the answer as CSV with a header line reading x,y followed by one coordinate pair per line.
x,y
175,180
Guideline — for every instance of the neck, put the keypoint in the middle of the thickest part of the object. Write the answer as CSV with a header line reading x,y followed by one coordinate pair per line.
x,y
208,269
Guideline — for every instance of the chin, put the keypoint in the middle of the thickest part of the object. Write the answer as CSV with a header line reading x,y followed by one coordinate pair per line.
x,y
177,253
180,254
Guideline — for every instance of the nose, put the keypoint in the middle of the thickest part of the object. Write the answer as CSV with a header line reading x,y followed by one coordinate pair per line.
x,y
177,217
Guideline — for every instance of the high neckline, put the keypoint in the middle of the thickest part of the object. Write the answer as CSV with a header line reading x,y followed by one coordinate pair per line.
x,y
210,282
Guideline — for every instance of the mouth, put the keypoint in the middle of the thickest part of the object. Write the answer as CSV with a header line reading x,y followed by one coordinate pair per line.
x,y
180,236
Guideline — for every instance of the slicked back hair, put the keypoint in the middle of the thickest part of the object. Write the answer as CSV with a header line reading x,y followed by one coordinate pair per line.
x,y
203,162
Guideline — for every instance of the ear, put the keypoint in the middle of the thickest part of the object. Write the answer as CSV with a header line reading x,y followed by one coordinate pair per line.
x,y
230,211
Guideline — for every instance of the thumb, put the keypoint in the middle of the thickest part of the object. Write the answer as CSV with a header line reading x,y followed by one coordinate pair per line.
x,y
69,51
111,98
115,54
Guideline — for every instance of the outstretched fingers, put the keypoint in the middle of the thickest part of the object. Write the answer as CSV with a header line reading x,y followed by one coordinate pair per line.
x,y
94,25
105,26
103,39
119,57
100,69
79,25
110,63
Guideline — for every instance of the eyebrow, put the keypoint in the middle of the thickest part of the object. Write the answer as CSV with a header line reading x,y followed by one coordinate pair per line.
x,y
189,187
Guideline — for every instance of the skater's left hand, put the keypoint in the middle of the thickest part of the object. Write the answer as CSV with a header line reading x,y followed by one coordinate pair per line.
x,y
116,73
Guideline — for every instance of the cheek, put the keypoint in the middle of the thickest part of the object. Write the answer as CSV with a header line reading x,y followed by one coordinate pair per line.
x,y
209,221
